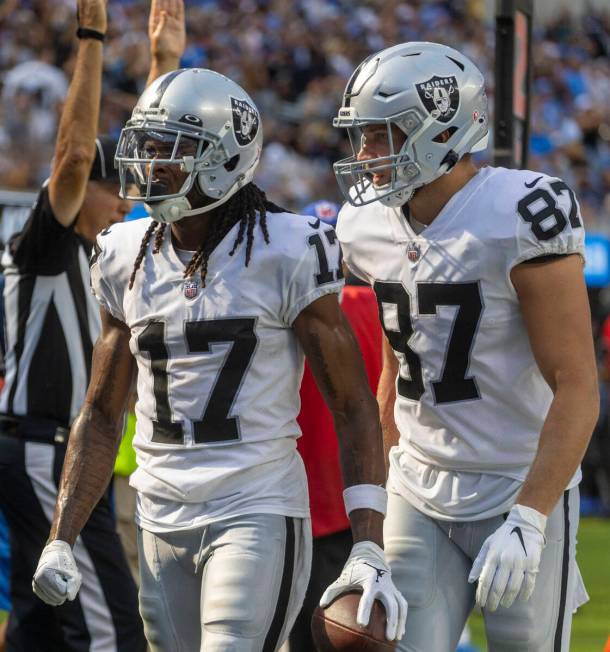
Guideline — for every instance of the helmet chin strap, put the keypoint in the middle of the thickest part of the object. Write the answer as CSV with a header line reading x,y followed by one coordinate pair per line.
x,y
174,209
392,199
398,198
405,194
168,210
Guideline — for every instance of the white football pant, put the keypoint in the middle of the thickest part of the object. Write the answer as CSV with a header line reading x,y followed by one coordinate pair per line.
x,y
233,586
431,559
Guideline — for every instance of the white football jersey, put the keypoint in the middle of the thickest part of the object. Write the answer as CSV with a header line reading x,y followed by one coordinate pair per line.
x,y
470,397
219,368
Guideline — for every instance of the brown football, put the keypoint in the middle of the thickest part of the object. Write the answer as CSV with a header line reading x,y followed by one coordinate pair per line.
x,y
334,629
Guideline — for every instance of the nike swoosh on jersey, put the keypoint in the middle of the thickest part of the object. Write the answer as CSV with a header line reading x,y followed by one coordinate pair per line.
x,y
95,254
517,530
314,225
531,184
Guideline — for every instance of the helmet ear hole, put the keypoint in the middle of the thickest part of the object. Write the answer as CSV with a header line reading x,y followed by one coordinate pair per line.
x,y
232,163
451,158
445,135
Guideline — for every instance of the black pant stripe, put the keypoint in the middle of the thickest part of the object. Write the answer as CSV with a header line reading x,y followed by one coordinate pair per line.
x,y
279,618
564,571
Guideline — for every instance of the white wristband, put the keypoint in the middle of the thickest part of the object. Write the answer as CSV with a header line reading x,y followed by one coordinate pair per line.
x,y
365,496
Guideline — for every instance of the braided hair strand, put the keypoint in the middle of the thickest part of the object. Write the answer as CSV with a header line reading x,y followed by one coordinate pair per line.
x,y
248,206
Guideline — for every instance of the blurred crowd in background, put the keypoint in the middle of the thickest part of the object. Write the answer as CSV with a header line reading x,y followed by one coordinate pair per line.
x,y
294,58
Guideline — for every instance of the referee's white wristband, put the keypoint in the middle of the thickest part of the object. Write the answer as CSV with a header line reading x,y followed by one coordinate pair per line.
x,y
365,496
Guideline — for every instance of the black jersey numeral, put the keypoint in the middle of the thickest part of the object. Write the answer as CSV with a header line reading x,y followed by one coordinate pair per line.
x,y
395,294
546,207
326,275
215,424
152,341
558,187
454,383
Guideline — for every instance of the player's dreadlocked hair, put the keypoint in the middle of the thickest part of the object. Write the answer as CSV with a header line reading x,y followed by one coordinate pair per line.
x,y
243,207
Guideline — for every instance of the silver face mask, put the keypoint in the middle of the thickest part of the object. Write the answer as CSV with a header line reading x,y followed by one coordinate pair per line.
x,y
355,178
144,152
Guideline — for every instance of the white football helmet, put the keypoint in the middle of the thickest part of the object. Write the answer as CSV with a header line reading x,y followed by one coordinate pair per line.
x,y
200,121
434,95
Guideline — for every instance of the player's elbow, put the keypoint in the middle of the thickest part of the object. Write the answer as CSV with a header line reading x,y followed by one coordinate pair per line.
x,y
73,161
356,409
593,403
582,388
96,416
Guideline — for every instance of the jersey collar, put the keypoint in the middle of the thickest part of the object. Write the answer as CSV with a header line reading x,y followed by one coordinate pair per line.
x,y
219,258
402,230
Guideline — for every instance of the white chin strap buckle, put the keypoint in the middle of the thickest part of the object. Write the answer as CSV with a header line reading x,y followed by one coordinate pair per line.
x,y
169,210
398,198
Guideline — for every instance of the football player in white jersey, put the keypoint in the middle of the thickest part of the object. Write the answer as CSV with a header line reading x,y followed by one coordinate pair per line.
x,y
213,300
489,392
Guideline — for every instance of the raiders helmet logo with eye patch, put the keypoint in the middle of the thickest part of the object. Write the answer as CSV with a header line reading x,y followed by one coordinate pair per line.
x,y
245,121
440,96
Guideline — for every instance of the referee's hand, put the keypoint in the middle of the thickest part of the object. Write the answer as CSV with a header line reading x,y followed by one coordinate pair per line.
x,y
56,577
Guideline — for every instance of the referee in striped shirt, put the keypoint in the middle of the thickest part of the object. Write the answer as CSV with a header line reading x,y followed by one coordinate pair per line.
x,y
52,322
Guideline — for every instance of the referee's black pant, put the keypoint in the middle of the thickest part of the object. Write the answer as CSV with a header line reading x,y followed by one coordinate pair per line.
x,y
104,616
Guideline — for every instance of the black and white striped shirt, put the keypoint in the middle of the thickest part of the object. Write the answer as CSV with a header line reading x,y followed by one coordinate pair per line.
x,y
51,319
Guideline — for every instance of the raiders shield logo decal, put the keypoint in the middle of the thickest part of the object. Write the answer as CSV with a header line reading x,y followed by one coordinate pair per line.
x,y
440,96
245,121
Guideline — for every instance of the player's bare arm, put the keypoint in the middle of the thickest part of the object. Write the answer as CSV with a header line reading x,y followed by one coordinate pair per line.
x,y
332,352
167,35
556,311
96,431
75,145
386,397
89,460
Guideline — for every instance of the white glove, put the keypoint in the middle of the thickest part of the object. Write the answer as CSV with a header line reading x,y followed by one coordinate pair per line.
x,y
508,562
366,569
56,577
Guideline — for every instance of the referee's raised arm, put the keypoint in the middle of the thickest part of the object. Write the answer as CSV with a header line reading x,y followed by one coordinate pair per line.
x,y
52,323
75,145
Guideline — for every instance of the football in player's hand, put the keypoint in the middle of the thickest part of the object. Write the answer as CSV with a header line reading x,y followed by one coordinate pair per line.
x,y
334,629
